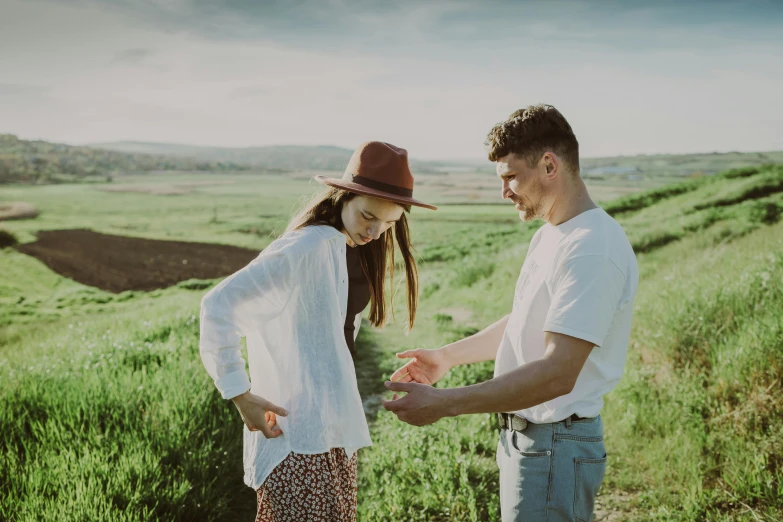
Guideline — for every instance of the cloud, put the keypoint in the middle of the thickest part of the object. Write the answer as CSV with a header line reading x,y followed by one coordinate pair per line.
x,y
15,92
133,56
430,76
382,25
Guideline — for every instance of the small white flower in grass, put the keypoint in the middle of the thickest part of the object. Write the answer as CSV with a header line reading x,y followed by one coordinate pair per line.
x,y
140,388
70,326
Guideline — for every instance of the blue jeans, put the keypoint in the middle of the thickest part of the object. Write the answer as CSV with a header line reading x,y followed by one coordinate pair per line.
x,y
551,472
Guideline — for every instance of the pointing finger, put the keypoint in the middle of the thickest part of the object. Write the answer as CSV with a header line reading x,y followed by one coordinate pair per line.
x,y
400,386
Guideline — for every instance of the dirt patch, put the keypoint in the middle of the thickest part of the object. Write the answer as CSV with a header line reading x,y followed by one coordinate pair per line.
x,y
612,507
7,239
164,189
17,210
119,263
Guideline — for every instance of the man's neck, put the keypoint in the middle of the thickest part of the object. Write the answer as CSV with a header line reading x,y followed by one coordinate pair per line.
x,y
570,203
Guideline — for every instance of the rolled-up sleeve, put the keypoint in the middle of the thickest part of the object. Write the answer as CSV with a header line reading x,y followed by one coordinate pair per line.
x,y
238,305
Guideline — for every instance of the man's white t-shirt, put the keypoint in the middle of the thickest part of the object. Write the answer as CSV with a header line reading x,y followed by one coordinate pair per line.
x,y
579,279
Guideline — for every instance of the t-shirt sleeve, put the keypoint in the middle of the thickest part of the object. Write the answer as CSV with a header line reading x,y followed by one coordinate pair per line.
x,y
586,294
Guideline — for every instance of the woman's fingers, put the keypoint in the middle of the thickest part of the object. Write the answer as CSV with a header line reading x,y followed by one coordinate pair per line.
x,y
400,375
271,433
274,408
259,414
408,354
405,378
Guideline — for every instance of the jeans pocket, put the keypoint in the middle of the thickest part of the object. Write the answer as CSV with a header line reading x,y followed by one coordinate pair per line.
x,y
527,449
589,475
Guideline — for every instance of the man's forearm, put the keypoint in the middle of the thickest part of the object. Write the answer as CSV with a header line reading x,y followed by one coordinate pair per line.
x,y
527,386
482,346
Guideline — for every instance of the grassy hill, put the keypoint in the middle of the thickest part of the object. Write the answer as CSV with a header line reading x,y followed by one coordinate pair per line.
x,y
284,157
289,157
641,170
677,164
25,161
661,166
107,414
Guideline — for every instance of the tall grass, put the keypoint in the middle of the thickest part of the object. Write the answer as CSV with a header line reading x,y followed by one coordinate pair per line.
x,y
107,413
696,426
127,429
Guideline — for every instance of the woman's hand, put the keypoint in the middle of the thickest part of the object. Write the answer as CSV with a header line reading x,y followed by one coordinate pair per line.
x,y
259,414
427,367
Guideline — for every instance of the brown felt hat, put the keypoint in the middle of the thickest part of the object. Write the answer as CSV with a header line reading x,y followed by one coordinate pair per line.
x,y
379,170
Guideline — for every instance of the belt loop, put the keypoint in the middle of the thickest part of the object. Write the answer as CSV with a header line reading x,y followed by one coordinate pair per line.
x,y
568,422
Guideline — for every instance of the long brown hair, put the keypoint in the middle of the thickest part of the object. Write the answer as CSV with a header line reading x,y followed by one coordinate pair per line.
x,y
376,256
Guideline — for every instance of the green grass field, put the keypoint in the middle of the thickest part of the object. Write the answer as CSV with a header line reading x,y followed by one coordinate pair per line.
x,y
108,414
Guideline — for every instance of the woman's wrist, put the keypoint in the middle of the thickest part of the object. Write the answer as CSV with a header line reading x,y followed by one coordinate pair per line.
x,y
448,353
242,397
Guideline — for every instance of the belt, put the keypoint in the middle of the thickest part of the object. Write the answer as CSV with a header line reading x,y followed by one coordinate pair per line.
x,y
513,422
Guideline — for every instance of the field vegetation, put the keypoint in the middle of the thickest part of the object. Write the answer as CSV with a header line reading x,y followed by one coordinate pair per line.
x,y
106,412
26,161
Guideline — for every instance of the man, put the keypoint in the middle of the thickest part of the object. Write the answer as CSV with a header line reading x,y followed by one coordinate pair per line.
x,y
562,347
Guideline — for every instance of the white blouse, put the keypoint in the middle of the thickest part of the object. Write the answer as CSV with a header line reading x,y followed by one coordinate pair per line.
x,y
290,304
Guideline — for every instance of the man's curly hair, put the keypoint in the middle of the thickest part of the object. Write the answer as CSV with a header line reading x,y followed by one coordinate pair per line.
x,y
532,131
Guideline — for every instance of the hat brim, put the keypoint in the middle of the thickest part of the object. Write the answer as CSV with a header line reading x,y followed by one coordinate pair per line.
x,y
361,189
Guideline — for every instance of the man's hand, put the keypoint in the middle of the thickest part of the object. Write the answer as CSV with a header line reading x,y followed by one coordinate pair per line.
x,y
427,367
259,414
422,405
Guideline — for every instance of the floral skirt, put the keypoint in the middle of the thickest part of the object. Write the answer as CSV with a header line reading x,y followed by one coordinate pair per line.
x,y
310,488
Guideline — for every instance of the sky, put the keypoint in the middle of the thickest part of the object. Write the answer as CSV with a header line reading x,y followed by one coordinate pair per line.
x,y
430,76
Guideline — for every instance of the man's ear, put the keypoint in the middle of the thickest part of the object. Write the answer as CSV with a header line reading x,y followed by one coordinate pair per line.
x,y
551,163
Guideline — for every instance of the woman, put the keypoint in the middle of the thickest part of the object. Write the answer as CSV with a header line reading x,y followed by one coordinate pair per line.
x,y
299,305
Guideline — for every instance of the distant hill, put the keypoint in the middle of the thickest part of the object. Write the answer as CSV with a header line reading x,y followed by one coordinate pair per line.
x,y
25,161
285,157
663,165
325,157
677,164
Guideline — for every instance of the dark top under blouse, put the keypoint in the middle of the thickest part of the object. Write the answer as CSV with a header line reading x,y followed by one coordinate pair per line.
x,y
358,294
